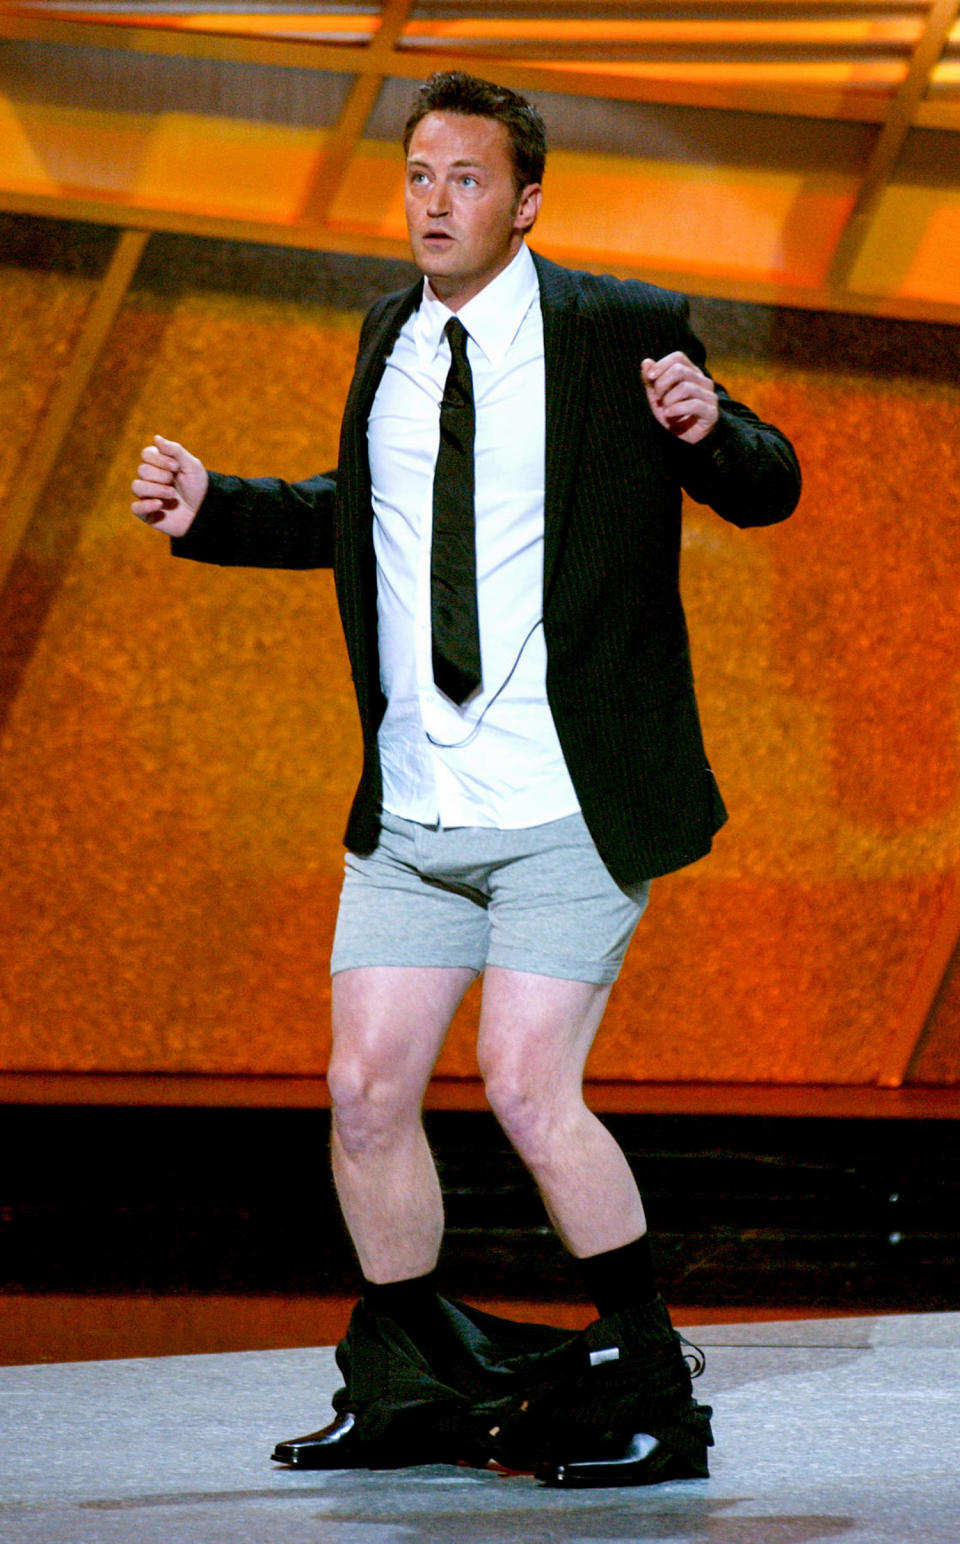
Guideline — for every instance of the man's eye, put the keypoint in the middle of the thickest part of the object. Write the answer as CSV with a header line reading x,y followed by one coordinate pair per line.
x,y
469,181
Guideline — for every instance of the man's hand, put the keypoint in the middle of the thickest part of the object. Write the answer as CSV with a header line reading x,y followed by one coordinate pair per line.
x,y
682,399
169,487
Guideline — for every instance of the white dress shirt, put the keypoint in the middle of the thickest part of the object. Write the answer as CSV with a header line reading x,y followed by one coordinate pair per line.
x,y
495,760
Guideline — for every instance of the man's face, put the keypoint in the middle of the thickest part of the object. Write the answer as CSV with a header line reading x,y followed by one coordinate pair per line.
x,y
463,215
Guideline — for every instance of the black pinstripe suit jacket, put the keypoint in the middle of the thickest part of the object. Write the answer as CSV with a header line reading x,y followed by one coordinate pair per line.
x,y
619,680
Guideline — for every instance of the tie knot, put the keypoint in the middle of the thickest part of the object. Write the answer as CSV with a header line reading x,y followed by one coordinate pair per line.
x,y
456,335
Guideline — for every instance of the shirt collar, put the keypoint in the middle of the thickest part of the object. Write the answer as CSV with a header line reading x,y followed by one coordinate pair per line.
x,y
492,318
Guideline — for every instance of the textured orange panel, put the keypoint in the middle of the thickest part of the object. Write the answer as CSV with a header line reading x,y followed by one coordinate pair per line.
x,y
42,314
180,750
178,743
852,609
783,982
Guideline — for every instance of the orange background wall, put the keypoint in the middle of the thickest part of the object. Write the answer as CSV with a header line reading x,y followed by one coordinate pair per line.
x,y
178,746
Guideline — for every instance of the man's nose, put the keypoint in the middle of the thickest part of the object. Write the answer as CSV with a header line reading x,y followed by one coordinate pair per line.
x,y
438,203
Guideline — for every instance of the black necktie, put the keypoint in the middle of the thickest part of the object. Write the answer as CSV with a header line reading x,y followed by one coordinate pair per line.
x,y
453,558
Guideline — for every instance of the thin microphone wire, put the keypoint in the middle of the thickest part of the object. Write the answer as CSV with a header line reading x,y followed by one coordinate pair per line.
x,y
459,745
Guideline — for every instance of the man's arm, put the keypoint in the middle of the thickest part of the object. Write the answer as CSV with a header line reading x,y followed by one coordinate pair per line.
x,y
258,522
724,455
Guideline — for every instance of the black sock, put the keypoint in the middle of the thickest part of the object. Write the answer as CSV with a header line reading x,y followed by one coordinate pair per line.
x,y
412,1303
620,1278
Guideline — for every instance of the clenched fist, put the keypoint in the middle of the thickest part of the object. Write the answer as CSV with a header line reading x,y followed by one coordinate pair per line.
x,y
682,398
170,485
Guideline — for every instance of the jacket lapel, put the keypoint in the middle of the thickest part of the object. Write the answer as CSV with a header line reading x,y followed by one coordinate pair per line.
x,y
355,563
567,364
376,349
355,526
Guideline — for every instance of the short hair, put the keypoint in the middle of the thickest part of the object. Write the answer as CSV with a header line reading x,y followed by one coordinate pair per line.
x,y
453,91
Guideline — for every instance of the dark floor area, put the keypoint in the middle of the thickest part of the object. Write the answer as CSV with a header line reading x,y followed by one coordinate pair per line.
x,y
746,1212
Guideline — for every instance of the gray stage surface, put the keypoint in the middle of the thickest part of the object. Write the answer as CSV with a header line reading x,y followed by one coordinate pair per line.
x,y
829,1429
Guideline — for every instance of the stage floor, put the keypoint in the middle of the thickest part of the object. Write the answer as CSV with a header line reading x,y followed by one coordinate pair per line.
x,y
827,1429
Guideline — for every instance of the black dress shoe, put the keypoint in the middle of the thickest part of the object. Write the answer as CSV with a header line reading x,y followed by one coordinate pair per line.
x,y
340,1446
622,1413
334,1447
643,1460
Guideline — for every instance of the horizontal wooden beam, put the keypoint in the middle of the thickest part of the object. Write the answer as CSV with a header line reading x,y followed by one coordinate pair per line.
x,y
207,1090
854,103
325,239
939,113
343,57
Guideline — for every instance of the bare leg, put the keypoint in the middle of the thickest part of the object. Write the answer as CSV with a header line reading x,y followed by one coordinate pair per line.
x,y
389,1024
535,1035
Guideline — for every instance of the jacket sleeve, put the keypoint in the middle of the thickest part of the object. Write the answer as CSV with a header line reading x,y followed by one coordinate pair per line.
x,y
744,469
262,522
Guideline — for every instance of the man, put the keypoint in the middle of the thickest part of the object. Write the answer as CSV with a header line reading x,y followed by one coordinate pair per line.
x,y
504,527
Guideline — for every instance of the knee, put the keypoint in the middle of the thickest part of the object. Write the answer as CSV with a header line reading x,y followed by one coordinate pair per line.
x,y
369,1106
524,1107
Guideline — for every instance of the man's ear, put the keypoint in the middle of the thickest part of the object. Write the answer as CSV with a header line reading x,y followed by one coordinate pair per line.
x,y
528,206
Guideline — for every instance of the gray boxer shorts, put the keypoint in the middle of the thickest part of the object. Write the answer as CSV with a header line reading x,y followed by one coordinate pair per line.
x,y
536,899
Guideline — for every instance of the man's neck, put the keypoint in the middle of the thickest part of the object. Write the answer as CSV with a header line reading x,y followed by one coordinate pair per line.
x,y
461,291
